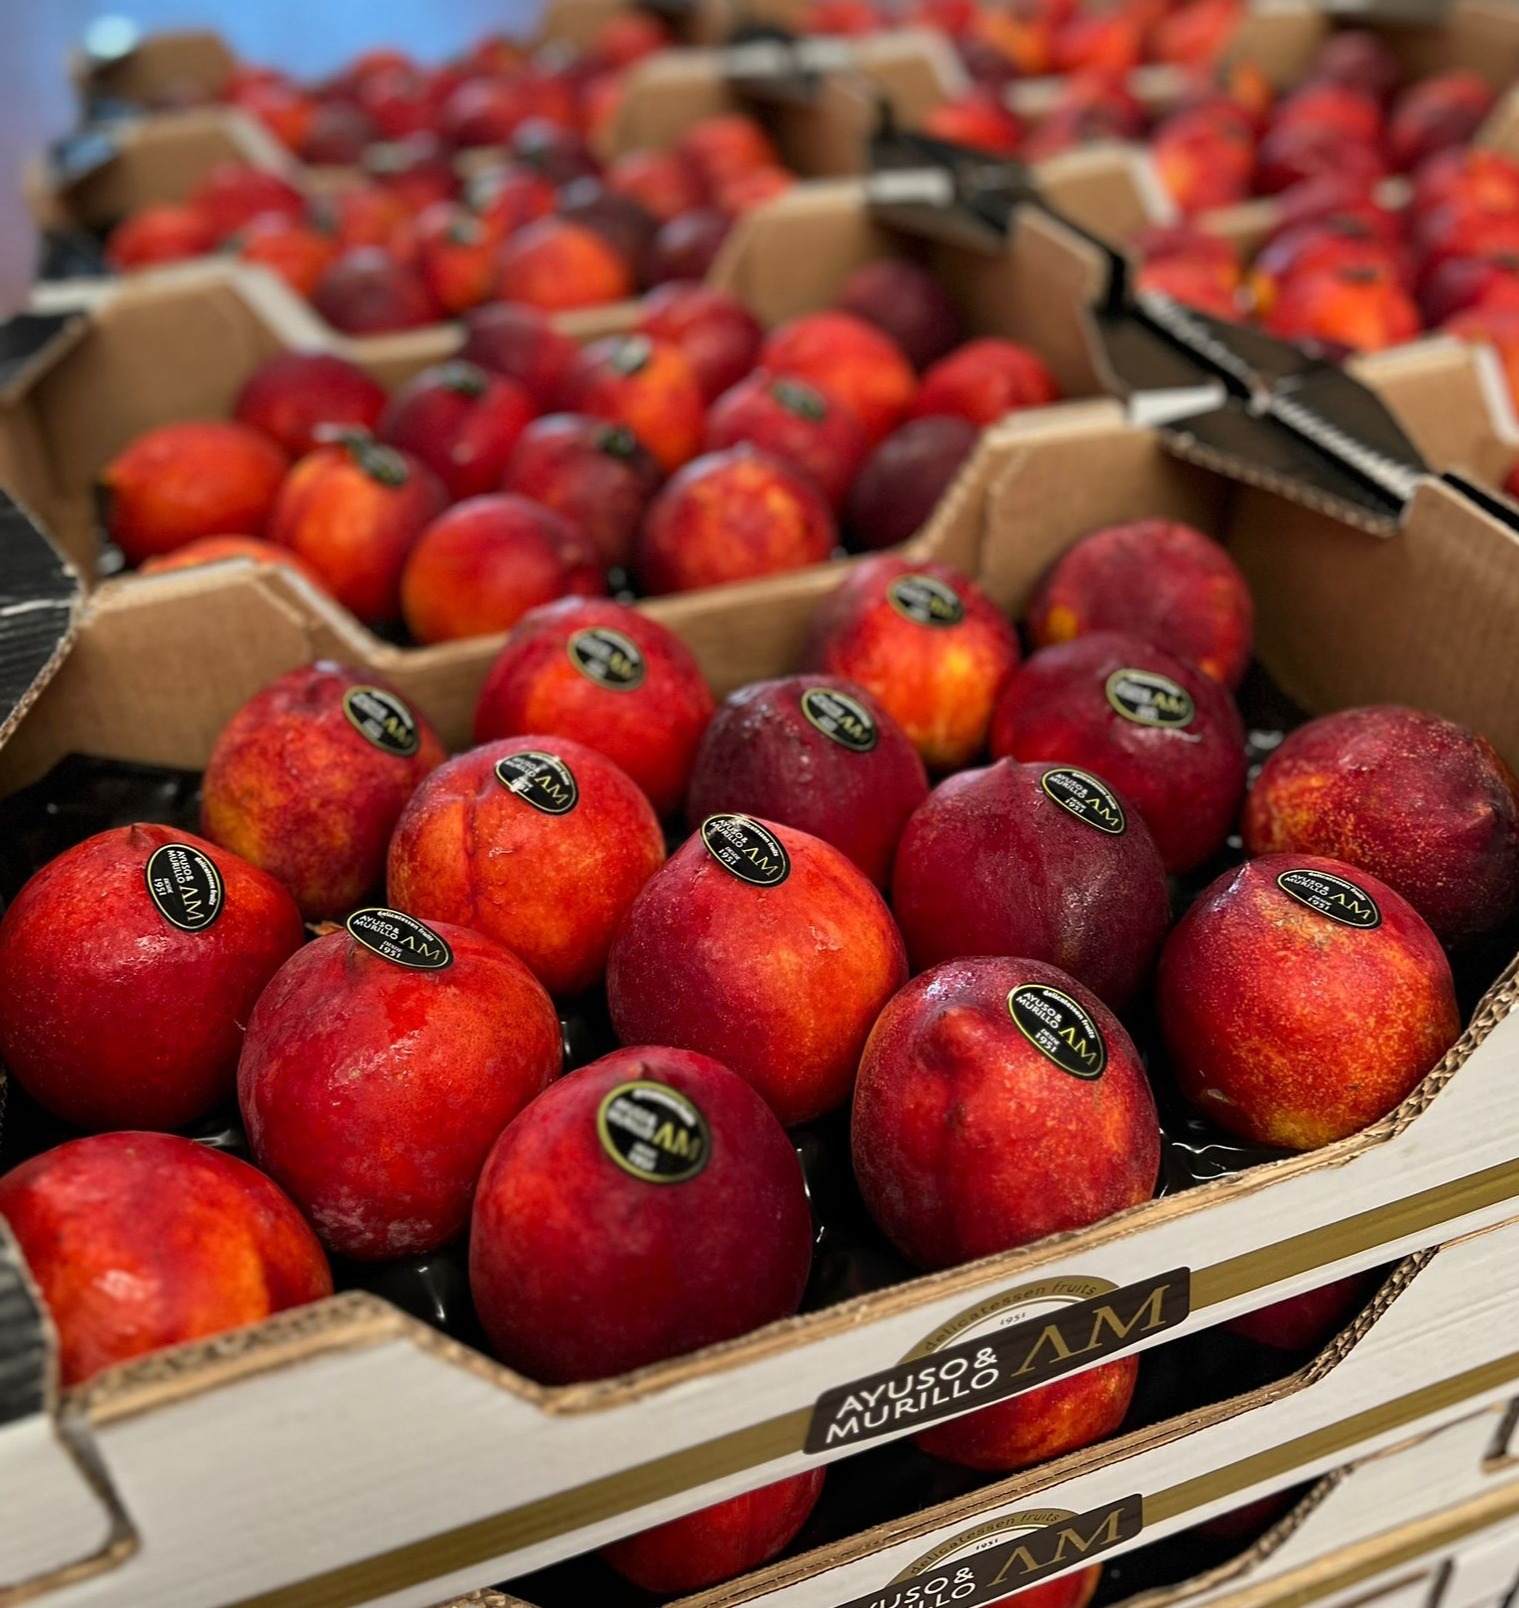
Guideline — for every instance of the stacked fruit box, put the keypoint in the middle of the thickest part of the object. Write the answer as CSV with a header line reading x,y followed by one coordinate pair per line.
x,y
1168,1261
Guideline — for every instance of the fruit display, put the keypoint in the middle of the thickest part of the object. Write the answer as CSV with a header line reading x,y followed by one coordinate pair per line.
x,y
770,878
695,450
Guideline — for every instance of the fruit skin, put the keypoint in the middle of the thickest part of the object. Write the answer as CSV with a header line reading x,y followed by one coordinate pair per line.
x,y
978,120
1153,578
217,549
233,193
295,787
157,234
552,888
648,385
722,148
659,181
181,481
900,483
1288,1027
795,421
353,511
650,728
687,245
718,1542
1438,113
731,516
854,361
372,1091
557,265
1185,780
967,1140
985,379
674,1265
291,395
157,1045
719,335
461,422
484,563
787,979
368,292
762,755
1425,805
1359,306
1305,1320
597,474
940,683
143,1240
1041,1424
520,342
908,303
992,865
296,252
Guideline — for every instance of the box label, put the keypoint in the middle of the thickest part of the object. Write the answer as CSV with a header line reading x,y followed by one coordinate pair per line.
x,y
653,1132
926,600
992,1561
1059,1028
1149,699
981,1370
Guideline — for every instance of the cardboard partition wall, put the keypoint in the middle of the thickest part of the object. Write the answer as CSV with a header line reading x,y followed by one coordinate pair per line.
x,y
1136,1489
377,1459
179,343
182,67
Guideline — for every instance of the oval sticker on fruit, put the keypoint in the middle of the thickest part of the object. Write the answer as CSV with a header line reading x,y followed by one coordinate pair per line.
x,y
395,936
653,1132
844,719
925,600
1085,797
746,850
1059,1029
1336,897
542,780
607,657
1150,699
382,719
185,885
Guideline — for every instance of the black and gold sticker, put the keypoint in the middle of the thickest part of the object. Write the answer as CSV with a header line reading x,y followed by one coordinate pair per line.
x,y
1059,1029
1150,699
746,850
925,600
653,1132
185,886
1086,797
540,779
1336,897
607,657
382,719
844,719
395,936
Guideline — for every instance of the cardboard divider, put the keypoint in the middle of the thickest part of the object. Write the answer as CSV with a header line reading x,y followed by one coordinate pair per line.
x,y
498,1474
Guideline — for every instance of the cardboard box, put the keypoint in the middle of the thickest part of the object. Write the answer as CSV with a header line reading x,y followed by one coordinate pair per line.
x,y
89,181
376,1458
1141,1488
179,343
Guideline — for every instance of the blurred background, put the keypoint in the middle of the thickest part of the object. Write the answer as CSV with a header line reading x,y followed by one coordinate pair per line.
x,y
306,36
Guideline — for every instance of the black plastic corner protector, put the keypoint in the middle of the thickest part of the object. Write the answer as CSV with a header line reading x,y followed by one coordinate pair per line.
x,y
40,595
29,341
766,63
77,156
25,1350
71,254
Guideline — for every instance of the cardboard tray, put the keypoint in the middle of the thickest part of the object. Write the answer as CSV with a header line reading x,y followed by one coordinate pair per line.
x,y
1141,1488
92,178
497,1474
179,344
